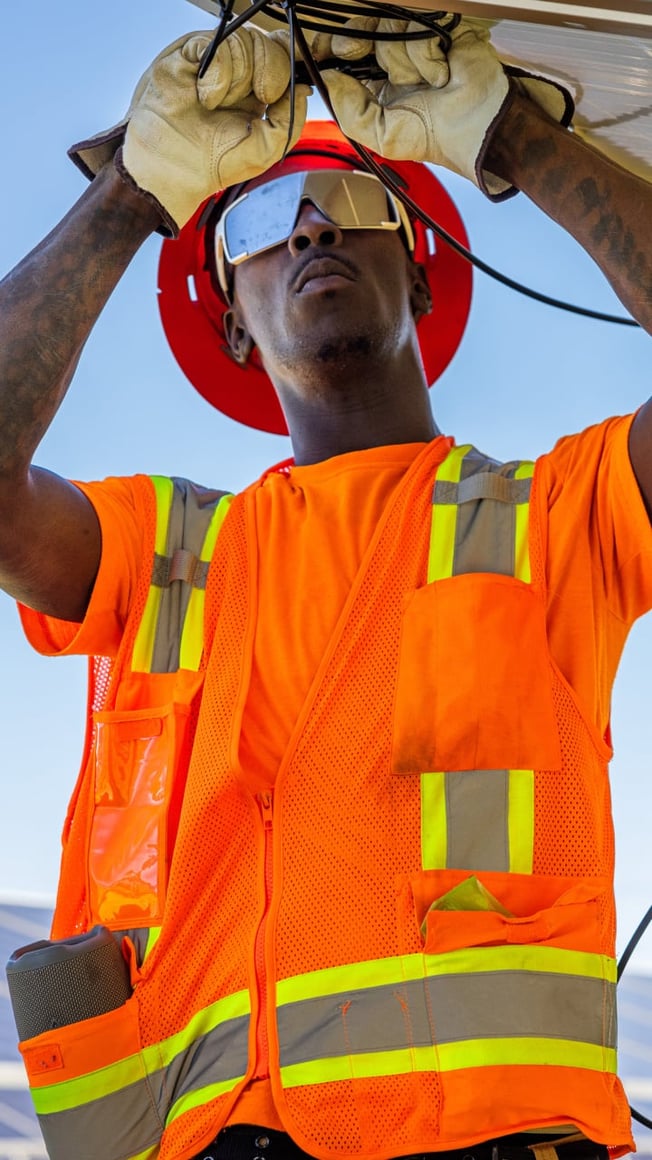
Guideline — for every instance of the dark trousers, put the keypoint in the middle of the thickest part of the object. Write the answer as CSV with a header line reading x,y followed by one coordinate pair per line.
x,y
251,1142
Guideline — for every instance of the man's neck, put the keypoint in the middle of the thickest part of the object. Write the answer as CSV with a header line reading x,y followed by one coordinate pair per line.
x,y
316,437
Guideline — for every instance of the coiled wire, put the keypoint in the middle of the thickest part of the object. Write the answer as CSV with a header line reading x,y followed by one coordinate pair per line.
x,y
326,16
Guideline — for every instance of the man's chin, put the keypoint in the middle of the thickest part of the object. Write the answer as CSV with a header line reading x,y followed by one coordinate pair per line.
x,y
344,350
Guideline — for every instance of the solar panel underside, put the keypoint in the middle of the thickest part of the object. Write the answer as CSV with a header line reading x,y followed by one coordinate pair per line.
x,y
602,52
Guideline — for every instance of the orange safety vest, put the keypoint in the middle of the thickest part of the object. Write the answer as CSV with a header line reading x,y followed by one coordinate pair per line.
x,y
416,930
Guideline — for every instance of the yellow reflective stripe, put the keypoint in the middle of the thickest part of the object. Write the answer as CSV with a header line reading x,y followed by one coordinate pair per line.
x,y
556,960
231,1007
521,538
374,1063
520,823
192,637
350,977
443,519
434,826
152,939
146,635
401,968
452,1057
199,1097
507,1052
59,1097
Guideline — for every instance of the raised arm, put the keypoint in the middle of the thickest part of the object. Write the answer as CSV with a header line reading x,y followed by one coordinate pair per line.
x,y
607,209
181,141
462,112
49,535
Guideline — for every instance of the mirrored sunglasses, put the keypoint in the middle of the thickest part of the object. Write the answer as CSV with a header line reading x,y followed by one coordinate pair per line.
x,y
265,216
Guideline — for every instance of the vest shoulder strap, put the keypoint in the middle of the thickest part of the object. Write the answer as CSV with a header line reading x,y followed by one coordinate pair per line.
x,y
188,522
480,516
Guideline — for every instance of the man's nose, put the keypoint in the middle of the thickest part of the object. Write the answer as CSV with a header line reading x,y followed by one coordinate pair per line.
x,y
313,229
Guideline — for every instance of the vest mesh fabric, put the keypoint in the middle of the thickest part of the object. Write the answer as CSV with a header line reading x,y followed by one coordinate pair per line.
x,y
346,838
71,914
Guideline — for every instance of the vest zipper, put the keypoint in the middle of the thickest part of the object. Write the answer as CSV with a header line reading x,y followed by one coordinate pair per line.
x,y
265,803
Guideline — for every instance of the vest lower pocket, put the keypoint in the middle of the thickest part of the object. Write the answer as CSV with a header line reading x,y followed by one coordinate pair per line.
x,y
535,910
474,684
140,761
534,986
90,1088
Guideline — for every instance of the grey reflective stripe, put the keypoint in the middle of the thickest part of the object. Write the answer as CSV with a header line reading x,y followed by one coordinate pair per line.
x,y
477,815
485,528
447,1009
126,1122
122,1124
180,569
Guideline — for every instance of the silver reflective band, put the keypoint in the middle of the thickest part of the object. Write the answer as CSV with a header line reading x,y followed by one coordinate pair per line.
x,y
265,216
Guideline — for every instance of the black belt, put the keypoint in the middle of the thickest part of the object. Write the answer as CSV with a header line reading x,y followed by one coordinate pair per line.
x,y
250,1142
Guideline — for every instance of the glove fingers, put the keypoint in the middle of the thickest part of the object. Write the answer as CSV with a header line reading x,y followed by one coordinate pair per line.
x,y
392,55
395,131
346,45
229,77
247,61
271,65
429,59
246,145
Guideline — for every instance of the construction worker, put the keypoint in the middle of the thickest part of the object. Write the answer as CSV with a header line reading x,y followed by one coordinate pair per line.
x,y
344,802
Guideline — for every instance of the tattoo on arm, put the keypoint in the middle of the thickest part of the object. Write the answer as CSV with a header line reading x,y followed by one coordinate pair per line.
x,y
606,208
49,303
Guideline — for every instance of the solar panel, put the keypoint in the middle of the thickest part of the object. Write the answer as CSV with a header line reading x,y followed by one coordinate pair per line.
x,y
602,51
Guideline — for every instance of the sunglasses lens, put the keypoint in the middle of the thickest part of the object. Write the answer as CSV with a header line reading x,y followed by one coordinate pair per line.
x,y
350,200
265,216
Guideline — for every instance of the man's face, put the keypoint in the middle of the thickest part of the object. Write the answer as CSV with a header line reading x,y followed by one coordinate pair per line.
x,y
326,297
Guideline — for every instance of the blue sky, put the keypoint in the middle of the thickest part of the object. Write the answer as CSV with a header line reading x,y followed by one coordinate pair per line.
x,y
525,375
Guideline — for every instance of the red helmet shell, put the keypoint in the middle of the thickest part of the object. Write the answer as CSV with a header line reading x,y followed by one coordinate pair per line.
x,y
192,305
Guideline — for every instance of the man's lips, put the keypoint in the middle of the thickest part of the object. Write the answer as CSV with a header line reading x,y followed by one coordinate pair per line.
x,y
316,267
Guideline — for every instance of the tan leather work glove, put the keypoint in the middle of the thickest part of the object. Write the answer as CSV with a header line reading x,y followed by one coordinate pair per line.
x,y
433,107
183,139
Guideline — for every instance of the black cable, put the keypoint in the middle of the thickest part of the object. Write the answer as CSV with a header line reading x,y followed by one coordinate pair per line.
x,y
338,12
633,943
385,175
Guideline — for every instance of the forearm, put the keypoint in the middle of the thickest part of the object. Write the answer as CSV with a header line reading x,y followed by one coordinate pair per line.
x,y
49,304
607,209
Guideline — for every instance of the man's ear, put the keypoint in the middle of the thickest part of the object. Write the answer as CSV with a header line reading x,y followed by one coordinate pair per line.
x,y
237,336
420,296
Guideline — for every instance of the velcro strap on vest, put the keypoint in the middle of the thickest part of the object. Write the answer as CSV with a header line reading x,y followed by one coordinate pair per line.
x,y
182,565
483,485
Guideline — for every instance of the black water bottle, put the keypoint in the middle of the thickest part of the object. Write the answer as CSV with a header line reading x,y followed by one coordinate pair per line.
x,y
54,983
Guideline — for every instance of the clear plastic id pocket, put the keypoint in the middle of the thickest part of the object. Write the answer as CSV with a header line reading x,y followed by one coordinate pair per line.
x,y
140,759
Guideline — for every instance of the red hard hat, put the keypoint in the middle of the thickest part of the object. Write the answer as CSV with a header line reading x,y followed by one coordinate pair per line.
x,y
192,304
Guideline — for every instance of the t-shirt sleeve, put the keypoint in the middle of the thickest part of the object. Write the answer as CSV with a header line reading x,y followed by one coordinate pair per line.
x,y
596,509
123,507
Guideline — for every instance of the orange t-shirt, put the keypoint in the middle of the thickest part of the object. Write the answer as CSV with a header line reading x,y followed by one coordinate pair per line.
x,y
314,525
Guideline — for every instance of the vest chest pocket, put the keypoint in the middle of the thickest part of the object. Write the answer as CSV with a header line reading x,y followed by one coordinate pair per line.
x,y
473,688
140,761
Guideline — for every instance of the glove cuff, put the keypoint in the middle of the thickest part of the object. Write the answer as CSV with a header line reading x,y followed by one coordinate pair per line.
x,y
549,95
168,227
93,153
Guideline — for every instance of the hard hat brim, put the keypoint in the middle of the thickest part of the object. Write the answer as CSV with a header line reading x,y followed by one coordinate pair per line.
x,y
192,306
